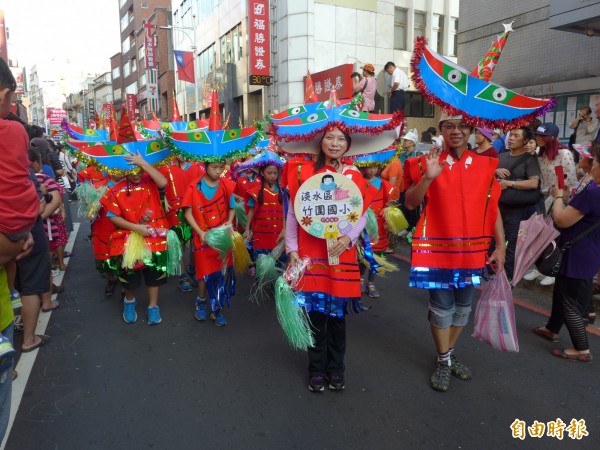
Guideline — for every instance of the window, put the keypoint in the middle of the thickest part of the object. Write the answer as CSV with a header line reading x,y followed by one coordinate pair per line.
x,y
416,106
117,94
452,45
223,50
143,79
240,42
142,53
132,88
124,21
207,61
125,45
400,28
437,36
133,64
121,3
144,5
420,22
126,69
116,73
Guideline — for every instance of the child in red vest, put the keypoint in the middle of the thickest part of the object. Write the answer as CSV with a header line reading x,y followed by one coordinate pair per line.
x,y
134,206
265,205
209,203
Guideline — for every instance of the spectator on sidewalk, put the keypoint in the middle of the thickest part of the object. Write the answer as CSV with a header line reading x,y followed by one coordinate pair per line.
x,y
367,85
519,177
585,126
483,140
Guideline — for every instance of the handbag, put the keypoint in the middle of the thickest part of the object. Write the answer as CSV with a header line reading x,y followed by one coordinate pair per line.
x,y
495,316
550,260
519,198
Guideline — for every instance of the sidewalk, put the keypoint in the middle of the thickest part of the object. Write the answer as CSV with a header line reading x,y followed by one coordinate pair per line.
x,y
528,293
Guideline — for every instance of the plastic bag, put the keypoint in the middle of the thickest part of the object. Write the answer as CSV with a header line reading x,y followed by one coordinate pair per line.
x,y
495,316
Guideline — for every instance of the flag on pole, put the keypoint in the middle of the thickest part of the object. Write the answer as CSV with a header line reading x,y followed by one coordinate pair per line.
x,y
310,96
485,67
176,117
185,66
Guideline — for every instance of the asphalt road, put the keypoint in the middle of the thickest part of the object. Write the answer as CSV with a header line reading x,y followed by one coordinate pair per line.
x,y
103,384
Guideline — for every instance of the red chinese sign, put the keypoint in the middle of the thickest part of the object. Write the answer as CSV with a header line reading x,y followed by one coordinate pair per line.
x,y
55,115
150,46
338,78
259,39
132,107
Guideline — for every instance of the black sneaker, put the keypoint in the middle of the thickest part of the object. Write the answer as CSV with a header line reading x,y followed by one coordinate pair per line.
x,y
316,383
109,288
459,370
440,378
336,382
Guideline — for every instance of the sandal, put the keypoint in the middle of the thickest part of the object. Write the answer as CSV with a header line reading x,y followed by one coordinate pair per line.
x,y
546,334
55,305
582,357
44,339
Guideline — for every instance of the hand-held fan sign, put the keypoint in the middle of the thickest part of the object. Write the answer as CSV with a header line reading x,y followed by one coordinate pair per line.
x,y
328,205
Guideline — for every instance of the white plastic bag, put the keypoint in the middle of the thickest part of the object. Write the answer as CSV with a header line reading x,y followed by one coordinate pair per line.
x,y
495,316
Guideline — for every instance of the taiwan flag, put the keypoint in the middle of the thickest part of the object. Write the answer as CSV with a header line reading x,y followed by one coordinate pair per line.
x,y
185,66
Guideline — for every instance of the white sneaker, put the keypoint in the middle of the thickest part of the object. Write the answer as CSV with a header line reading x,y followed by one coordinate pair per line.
x,y
55,273
547,281
531,275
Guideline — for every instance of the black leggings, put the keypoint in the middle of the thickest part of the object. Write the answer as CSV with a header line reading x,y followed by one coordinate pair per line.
x,y
570,298
365,272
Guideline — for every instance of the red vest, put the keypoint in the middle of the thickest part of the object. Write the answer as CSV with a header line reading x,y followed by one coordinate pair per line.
x,y
177,184
132,202
342,280
381,197
102,230
208,214
267,222
461,206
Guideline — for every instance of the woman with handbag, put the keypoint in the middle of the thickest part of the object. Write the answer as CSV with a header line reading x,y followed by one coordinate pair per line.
x,y
580,239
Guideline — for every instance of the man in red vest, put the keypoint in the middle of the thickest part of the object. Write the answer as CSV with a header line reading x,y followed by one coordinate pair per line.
x,y
452,238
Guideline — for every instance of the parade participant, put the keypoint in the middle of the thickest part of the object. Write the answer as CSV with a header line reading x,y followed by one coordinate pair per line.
x,y
102,229
18,201
451,272
483,140
449,253
370,166
134,207
209,203
327,292
178,179
265,204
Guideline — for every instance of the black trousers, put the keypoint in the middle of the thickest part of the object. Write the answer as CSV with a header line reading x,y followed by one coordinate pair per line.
x,y
397,101
511,218
571,299
327,356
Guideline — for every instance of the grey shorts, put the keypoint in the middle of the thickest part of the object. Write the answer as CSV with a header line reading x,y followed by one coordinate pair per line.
x,y
33,274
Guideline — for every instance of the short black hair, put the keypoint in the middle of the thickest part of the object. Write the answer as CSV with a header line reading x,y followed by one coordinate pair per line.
x,y
587,109
432,130
34,155
388,65
7,80
527,133
327,176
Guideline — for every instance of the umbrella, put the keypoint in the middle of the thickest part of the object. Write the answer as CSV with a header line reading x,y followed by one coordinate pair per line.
x,y
534,236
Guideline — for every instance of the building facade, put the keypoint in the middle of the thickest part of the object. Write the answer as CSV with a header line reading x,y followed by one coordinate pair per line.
x,y
132,15
549,53
313,35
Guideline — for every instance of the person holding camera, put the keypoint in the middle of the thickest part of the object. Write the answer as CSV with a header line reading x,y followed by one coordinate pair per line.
x,y
585,127
367,85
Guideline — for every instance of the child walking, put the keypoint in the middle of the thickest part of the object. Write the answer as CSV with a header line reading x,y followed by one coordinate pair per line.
x,y
134,207
265,205
209,203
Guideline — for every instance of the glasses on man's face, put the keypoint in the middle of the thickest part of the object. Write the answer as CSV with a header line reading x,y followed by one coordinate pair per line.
x,y
452,127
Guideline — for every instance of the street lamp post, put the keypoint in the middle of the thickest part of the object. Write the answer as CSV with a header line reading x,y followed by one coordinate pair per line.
x,y
193,47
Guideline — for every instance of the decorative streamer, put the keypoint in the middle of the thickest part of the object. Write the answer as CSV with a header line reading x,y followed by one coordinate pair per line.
x,y
136,250
395,220
292,318
220,239
241,257
174,253
371,226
